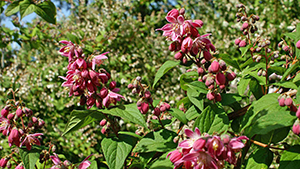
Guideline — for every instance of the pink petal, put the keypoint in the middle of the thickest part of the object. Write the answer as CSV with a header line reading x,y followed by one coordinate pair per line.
x,y
189,132
180,19
171,19
84,165
64,42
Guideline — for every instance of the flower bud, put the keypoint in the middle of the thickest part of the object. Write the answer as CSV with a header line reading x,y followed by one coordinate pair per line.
x,y
19,112
130,86
293,108
103,122
245,25
298,44
237,41
230,76
28,112
296,129
3,162
286,48
103,130
182,11
200,71
82,100
220,79
288,101
215,66
242,43
147,94
4,112
172,47
14,137
41,123
11,116
174,156
207,55
167,106
156,111
34,120
112,85
298,112
103,92
210,96
281,102
222,65
178,56
144,108
163,108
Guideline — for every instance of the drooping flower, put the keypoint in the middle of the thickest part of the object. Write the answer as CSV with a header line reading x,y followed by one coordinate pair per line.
x,y
111,97
98,60
30,140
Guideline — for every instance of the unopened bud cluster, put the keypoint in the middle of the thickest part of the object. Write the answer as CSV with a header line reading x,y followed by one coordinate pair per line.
x,y
288,101
216,78
145,99
83,80
206,151
248,24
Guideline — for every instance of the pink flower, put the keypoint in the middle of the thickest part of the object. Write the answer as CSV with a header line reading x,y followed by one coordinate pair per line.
x,y
5,126
193,136
174,156
98,60
14,138
85,163
30,140
3,162
111,97
68,50
20,166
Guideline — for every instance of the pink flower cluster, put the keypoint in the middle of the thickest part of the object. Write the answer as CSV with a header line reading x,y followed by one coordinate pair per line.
x,y
58,164
185,37
83,80
188,43
288,101
206,152
216,79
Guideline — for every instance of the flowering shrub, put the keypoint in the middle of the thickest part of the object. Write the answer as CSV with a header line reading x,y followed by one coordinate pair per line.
x,y
245,108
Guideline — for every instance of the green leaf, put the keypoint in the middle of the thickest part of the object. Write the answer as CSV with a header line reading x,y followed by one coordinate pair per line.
x,y
298,95
162,163
186,79
130,134
73,38
128,112
289,71
248,62
244,50
285,84
196,98
256,89
265,115
47,11
274,136
296,78
179,115
230,98
164,69
158,141
242,85
26,8
198,86
192,113
93,165
212,119
116,150
29,158
261,158
81,118
12,8
230,61
260,79
290,158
